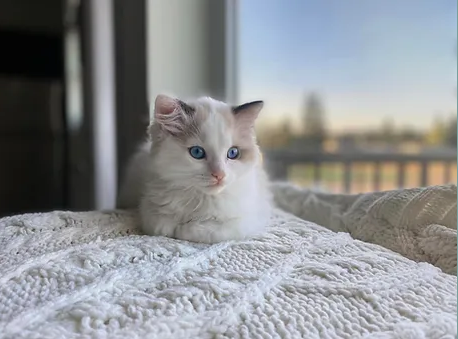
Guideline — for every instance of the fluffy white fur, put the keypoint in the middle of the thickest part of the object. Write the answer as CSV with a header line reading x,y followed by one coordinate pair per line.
x,y
176,194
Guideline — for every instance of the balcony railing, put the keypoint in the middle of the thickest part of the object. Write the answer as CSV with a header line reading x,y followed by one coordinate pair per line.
x,y
279,162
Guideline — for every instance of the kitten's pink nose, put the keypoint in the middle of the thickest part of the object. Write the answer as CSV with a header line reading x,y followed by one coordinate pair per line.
x,y
218,175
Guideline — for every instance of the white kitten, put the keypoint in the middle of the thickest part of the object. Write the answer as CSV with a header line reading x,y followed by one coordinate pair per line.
x,y
200,177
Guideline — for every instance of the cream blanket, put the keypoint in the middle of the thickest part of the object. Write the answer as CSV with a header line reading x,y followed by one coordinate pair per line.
x,y
419,223
91,275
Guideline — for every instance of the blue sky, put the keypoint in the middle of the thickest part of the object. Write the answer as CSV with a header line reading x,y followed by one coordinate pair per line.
x,y
369,60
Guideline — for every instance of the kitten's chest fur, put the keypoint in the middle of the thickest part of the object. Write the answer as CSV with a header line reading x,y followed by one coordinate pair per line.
x,y
236,201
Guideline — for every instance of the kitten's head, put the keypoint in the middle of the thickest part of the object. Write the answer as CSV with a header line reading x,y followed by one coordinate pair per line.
x,y
204,143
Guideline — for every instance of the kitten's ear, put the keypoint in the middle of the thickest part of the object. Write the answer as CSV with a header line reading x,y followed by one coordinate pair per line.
x,y
164,105
247,114
171,114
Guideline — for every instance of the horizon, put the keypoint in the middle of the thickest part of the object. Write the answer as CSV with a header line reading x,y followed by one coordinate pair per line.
x,y
295,123
296,128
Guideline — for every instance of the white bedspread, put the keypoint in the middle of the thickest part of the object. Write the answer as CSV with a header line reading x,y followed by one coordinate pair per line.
x,y
419,223
91,275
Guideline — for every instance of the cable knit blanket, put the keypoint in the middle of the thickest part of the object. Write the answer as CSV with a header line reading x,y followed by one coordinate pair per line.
x,y
419,223
92,275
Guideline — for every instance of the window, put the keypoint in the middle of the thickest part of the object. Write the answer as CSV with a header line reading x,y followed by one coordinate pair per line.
x,y
360,95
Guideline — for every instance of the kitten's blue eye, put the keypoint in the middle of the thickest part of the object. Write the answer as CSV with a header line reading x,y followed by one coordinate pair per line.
x,y
233,153
197,152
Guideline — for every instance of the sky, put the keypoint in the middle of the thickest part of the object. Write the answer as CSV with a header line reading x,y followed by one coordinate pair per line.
x,y
369,60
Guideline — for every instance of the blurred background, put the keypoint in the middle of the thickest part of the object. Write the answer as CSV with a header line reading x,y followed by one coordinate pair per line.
x,y
360,95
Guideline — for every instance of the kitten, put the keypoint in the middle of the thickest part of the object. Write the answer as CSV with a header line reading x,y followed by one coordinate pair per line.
x,y
200,176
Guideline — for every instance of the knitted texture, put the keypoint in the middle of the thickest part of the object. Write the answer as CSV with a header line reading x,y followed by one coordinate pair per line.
x,y
419,223
91,275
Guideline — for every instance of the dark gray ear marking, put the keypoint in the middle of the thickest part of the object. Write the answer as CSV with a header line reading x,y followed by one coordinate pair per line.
x,y
186,108
238,109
